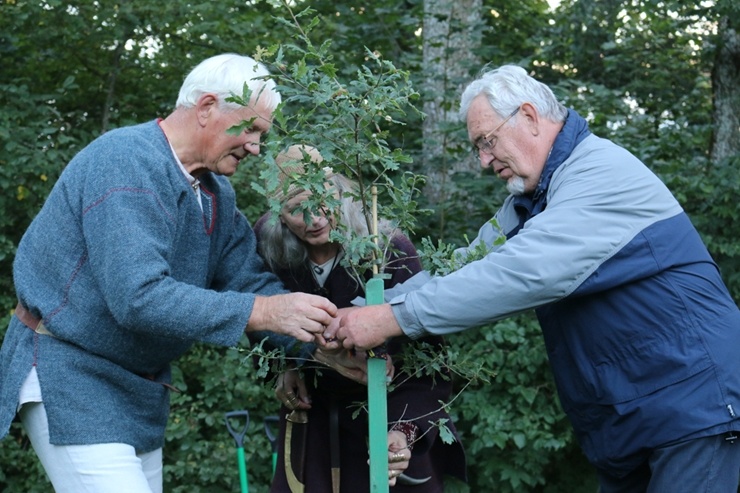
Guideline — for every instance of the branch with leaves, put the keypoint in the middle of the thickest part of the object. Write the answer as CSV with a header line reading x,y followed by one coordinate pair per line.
x,y
351,122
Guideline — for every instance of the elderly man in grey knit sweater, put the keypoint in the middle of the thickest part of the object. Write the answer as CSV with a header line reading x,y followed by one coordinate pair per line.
x,y
138,253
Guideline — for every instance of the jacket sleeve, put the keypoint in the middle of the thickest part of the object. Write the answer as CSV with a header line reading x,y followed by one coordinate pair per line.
x,y
598,200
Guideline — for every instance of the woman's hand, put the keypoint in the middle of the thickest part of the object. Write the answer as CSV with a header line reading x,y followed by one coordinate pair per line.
x,y
291,390
350,364
399,455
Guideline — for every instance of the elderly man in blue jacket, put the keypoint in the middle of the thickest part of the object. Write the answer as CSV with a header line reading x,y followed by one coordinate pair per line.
x,y
138,253
641,332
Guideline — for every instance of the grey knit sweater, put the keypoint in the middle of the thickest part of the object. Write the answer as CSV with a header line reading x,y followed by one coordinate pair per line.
x,y
127,272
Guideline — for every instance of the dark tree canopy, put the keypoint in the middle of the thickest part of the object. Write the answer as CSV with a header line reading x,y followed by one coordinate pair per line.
x,y
660,77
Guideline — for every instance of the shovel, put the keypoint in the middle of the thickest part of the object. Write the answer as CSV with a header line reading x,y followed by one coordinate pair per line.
x,y
239,439
269,422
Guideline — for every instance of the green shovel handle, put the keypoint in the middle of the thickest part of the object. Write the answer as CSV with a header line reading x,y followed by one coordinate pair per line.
x,y
239,439
272,437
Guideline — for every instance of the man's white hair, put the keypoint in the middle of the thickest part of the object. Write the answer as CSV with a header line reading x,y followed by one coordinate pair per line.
x,y
225,75
507,88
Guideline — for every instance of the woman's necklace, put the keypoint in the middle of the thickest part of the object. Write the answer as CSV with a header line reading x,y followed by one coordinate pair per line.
x,y
321,271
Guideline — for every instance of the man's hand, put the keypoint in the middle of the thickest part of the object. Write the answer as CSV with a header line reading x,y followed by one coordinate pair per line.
x,y
299,315
291,390
363,327
333,345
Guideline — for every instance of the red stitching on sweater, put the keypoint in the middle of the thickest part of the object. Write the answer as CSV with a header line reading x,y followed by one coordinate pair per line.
x,y
35,348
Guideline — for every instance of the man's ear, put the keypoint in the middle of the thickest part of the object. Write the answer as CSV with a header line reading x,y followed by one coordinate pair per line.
x,y
205,106
531,117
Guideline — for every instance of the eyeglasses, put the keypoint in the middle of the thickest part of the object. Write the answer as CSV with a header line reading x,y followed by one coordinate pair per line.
x,y
486,143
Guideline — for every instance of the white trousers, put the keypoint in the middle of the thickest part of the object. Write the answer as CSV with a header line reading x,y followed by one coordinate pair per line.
x,y
98,468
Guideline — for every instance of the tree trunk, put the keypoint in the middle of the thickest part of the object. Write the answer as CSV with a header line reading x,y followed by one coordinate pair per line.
x,y
726,87
111,84
451,32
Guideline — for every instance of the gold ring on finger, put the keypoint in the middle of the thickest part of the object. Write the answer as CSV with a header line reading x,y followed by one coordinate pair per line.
x,y
397,457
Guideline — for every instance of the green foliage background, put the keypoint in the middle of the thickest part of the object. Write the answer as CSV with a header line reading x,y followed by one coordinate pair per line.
x,y
639,70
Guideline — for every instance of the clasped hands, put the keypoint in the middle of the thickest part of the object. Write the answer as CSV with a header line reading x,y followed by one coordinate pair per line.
x,y
311,318
360,328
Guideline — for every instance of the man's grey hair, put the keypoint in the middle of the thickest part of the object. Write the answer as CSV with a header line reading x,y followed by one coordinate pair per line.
x,y
225,75
507,88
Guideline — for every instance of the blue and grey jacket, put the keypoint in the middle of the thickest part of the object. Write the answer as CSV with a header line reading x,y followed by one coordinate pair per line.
x,y
641,332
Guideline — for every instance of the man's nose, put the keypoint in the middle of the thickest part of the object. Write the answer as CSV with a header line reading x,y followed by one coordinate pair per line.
x,y
486,160
252,147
